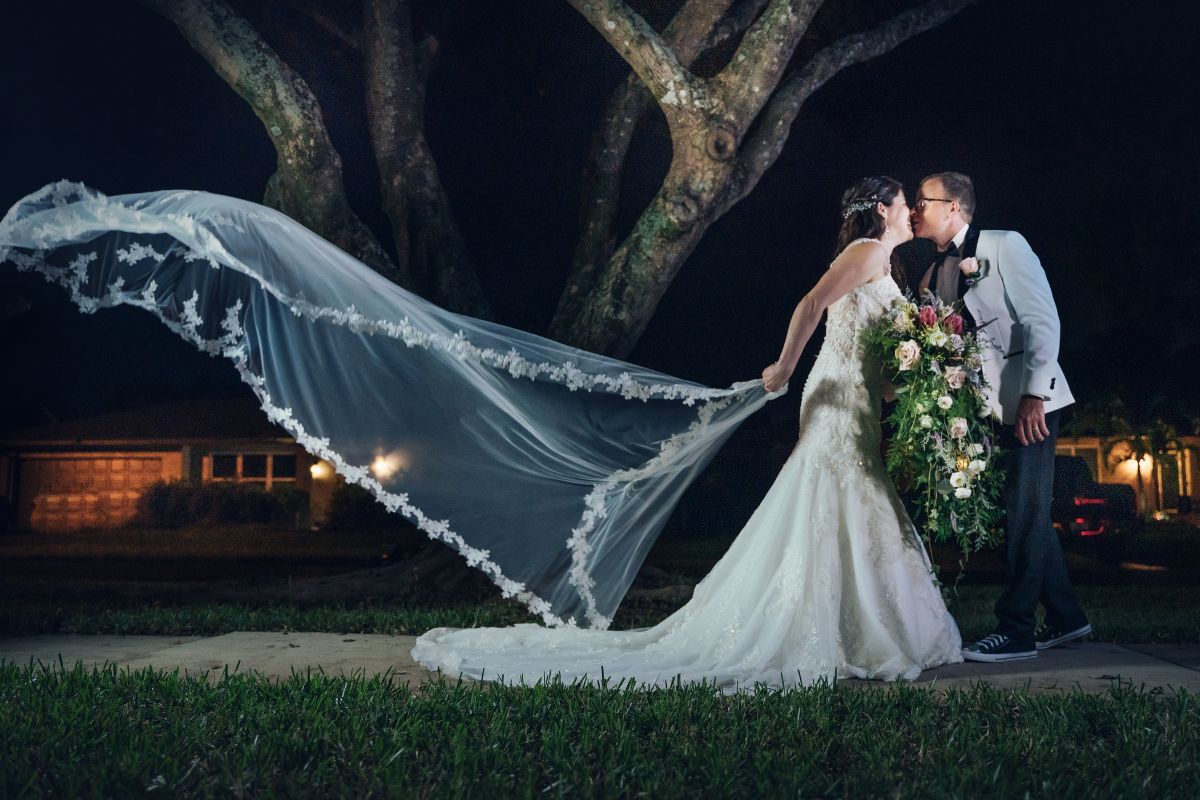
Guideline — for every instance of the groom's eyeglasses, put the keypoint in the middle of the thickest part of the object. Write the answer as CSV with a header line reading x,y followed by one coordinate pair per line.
x,y
924,201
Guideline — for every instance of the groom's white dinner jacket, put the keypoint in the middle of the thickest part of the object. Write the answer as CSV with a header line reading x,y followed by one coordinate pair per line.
x,y
1011,304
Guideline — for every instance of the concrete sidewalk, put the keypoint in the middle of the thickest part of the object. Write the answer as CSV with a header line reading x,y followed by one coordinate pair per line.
x,y
1090,667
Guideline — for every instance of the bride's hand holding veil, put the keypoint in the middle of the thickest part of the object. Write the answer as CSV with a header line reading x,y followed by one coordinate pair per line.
x,y
861,262
775,377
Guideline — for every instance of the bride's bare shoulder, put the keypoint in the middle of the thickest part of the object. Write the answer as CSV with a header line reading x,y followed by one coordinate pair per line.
x,y
864,254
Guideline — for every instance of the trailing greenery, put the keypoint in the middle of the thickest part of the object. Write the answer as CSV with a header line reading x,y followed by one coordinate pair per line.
x,y
98,733
942,446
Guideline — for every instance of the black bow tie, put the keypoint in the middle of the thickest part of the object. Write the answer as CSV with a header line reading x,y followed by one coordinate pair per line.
x,y
952,250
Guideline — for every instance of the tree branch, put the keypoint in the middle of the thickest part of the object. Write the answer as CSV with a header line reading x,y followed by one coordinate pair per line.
x,y
689,33
739,18
347,35
766,143
394,112
668,80
307,184
429,246
763,55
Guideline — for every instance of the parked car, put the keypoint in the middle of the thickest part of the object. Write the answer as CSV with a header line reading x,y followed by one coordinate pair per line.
x,y
1084,509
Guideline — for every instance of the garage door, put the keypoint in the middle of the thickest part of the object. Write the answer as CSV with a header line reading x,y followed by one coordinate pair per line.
x,y
83,492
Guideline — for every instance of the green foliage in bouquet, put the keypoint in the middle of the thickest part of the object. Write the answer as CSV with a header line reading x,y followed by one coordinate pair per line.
x,y
943,448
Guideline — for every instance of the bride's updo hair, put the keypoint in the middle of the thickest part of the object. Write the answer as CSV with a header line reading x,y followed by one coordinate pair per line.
x,y
859,219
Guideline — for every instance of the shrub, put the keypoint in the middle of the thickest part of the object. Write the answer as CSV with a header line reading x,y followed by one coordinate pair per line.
x,y
353,508
176,505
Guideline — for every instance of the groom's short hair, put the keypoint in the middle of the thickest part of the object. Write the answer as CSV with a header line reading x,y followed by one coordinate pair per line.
x,y
958,187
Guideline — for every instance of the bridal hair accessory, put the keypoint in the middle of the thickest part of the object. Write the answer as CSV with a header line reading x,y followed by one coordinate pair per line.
x,y
859,205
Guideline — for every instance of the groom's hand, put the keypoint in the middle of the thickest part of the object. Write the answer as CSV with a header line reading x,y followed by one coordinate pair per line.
x,y
1031,420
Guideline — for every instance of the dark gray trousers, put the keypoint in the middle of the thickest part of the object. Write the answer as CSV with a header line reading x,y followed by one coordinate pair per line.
x,y
1035,570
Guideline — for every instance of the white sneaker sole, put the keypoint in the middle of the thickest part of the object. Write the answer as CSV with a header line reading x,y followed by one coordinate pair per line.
x,y
970,655
1066,637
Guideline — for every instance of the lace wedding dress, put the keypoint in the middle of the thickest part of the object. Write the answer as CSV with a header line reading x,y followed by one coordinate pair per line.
x,y
827,577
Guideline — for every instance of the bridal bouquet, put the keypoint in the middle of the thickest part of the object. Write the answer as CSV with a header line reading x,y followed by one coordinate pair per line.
x,y
942,448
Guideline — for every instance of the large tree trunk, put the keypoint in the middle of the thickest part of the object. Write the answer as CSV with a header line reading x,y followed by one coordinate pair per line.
x,y
696,28
429,246
307,184
726,132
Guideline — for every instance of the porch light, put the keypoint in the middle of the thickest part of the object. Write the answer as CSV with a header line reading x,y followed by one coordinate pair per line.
x,y
385,467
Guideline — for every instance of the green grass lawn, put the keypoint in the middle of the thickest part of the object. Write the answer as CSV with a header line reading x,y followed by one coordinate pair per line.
x,y
1120,614
231,543
103,733
99,733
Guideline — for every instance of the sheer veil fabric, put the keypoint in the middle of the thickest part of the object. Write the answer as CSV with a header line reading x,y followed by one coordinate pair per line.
x,y
828,577
550,469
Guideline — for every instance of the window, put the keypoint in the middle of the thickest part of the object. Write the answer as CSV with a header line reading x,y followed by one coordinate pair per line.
x,y
224,467
283,467
265,468
254,467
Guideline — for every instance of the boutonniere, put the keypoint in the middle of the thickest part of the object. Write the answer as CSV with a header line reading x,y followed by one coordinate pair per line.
x,y
975,269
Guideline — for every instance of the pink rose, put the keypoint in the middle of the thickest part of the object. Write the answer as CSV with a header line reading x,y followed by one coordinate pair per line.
x,y
955,377
927,316
908,354
954,324
969,266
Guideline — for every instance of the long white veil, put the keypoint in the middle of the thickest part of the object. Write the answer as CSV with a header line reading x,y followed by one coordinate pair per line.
x,y
549,468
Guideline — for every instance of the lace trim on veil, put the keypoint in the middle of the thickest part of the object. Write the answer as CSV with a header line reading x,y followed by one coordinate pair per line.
x,y
200,244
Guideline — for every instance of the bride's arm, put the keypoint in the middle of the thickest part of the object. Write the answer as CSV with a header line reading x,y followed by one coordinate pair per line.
x,y
855,266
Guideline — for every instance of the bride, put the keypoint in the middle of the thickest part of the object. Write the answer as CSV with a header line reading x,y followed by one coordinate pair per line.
x,y
828,577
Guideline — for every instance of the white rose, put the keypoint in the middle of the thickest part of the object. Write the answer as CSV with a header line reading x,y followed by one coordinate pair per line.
x,y
976,466
969,266
955,377
908,354
962,492
976,449
958,479
958,427
926,421
944,402
938,337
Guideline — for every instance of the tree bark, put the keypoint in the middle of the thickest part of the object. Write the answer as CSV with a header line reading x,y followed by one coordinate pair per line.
x,y
430,248
606,160
713,165
771,131
307,184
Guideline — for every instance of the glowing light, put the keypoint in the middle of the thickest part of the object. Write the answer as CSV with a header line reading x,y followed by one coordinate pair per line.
x,y
386,466
320,470
1128,468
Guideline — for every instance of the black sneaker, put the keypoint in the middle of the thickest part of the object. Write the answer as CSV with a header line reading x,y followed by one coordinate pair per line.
x,y
998,647
1047,636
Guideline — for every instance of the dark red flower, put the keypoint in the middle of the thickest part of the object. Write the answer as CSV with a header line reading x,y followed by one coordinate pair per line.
x,y
927,317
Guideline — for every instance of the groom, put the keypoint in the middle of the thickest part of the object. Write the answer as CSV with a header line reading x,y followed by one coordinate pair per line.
x,y
1008,302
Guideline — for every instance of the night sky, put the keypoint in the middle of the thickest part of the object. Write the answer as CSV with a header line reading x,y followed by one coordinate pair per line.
x,y
1073,118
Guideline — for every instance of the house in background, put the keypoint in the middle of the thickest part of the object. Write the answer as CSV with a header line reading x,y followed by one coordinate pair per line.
x,y
1169,482
90,472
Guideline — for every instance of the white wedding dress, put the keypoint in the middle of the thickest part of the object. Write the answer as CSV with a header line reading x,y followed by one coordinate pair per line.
x,y
828,577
